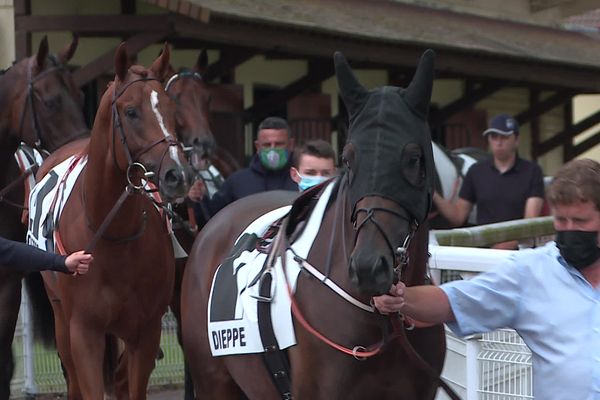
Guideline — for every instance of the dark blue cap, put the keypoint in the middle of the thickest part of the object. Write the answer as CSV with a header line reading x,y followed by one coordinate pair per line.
x,y
503,124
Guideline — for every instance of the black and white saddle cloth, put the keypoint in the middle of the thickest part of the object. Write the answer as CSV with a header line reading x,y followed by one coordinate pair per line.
x,y
48,198
232,314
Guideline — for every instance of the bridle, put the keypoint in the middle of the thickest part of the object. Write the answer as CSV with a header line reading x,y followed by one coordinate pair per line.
x,y
29,101
399,253
183,74
133,165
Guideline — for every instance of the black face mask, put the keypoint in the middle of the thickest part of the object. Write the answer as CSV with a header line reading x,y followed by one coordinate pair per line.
x,y
578,248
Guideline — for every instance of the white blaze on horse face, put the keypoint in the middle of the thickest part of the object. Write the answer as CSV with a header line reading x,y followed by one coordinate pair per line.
x,y
172,149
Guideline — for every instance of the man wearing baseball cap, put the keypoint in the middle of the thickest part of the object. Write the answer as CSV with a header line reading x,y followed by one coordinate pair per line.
x,y
504,187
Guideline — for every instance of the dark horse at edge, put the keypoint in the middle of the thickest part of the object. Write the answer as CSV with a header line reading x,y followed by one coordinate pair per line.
x,y
41,106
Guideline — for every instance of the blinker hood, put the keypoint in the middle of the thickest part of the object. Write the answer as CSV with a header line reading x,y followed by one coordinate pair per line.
x,y
389,133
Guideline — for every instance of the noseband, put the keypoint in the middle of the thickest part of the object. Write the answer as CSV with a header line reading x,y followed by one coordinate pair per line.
x,y
399,253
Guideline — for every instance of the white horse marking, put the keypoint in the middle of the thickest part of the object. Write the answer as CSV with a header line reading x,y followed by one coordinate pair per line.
x,y
172,149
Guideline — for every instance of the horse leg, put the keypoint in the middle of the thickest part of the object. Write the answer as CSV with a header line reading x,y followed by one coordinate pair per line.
x,y
63,346
10,300
141,358
87,349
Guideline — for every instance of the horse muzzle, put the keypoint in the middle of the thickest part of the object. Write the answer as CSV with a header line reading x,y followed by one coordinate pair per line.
x,y
175,182
371,273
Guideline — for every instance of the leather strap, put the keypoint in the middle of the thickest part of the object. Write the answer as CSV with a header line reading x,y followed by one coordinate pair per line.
x,y
275,359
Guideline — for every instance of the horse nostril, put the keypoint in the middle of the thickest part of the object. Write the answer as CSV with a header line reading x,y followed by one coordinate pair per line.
x,y
173,178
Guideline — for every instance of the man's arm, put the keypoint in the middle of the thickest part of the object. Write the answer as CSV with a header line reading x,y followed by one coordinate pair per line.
x,y
533,207
23,257
455,212
422,303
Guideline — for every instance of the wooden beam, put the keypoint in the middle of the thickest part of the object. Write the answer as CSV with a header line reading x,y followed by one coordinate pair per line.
x,y
542,107
227,62
585,145
567,134
22,38
469,99
534,127
106,61
317,73
115,25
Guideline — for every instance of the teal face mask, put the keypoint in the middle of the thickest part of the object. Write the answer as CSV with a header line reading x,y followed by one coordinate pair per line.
x,y
308,181
274,159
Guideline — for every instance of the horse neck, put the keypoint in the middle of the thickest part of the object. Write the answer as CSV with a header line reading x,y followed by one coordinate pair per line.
x,y
103,181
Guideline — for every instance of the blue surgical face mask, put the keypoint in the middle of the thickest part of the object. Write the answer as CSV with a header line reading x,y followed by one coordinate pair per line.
x,y
308,181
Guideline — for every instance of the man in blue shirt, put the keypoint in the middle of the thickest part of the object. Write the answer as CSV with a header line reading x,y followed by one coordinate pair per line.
x,y
549,295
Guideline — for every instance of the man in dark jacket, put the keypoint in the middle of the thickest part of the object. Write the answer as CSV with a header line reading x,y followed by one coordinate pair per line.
x,y
23,257
268,170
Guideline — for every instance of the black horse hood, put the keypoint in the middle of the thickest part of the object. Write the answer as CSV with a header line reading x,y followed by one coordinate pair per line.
x,y
389,138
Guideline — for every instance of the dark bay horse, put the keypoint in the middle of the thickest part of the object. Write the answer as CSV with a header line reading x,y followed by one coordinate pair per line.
x,y
209,162
40,106
127,290
377,204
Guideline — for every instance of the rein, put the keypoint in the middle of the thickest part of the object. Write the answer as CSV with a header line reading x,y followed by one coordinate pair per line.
x,y
14,183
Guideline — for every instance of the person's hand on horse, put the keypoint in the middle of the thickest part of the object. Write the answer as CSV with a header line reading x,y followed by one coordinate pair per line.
x,y
392,302
197,191
79,262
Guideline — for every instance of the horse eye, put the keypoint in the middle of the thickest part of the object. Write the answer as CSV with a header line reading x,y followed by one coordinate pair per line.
x,y
131,112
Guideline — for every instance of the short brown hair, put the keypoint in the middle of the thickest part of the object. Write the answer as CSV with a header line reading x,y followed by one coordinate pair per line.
x,y
317,148
577,180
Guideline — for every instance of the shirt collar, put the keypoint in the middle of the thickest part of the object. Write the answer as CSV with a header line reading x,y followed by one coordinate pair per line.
x,y
516,167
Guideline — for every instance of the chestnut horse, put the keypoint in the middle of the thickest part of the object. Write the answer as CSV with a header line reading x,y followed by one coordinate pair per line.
x,y
40,106
376,206
128,288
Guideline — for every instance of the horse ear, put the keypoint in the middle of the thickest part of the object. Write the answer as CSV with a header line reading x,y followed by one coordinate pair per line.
x,y
201,62
67,53
121,62
418,93
353,93
160,66
42,53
